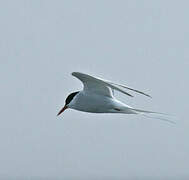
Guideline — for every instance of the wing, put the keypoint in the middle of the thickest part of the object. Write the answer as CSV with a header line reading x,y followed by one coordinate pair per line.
x,y
93,84
120,85
101,86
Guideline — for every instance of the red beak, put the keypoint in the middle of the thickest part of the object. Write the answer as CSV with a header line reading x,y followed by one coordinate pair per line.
x,y
62,110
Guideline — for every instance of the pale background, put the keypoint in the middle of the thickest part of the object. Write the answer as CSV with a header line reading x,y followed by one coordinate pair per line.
x,y
143,44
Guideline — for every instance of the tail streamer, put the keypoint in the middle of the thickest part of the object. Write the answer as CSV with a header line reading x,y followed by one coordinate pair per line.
x,y
144,113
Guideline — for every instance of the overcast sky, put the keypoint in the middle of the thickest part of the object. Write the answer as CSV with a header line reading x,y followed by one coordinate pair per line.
x,y
142,44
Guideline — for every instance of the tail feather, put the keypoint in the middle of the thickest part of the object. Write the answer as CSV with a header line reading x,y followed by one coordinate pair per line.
x,y
144,112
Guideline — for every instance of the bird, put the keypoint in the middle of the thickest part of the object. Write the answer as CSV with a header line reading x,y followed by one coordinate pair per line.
x,y
97,96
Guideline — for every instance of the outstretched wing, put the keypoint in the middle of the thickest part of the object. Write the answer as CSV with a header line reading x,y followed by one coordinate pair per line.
x,y
93,84
131,89
101,86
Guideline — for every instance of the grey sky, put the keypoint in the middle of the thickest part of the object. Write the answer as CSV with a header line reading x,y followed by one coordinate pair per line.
x,y
143,44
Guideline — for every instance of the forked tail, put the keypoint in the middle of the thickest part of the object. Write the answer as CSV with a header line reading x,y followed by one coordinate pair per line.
x,y
144,112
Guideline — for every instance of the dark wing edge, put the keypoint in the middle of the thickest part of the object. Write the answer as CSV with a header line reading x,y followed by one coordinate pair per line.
x,y
131,89
110,84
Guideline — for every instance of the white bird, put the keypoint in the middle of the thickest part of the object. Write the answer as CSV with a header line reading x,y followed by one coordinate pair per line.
x,y
97,96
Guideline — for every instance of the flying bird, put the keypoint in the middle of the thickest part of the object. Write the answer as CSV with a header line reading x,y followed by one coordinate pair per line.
x,y
97,96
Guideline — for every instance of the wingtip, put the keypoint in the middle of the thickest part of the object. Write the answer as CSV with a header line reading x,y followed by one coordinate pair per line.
x,y
149,96
128,94
75,73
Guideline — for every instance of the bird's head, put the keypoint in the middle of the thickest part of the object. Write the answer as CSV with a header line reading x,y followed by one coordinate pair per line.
x,y
67,102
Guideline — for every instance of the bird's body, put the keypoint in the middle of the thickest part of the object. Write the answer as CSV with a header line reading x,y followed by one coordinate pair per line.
x,y
97,96
96,103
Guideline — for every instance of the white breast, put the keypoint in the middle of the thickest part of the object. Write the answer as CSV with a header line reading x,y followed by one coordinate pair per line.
x,y
96,103
92,103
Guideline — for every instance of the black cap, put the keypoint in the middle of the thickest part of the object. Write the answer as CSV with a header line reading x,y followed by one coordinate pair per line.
x,y
70,97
